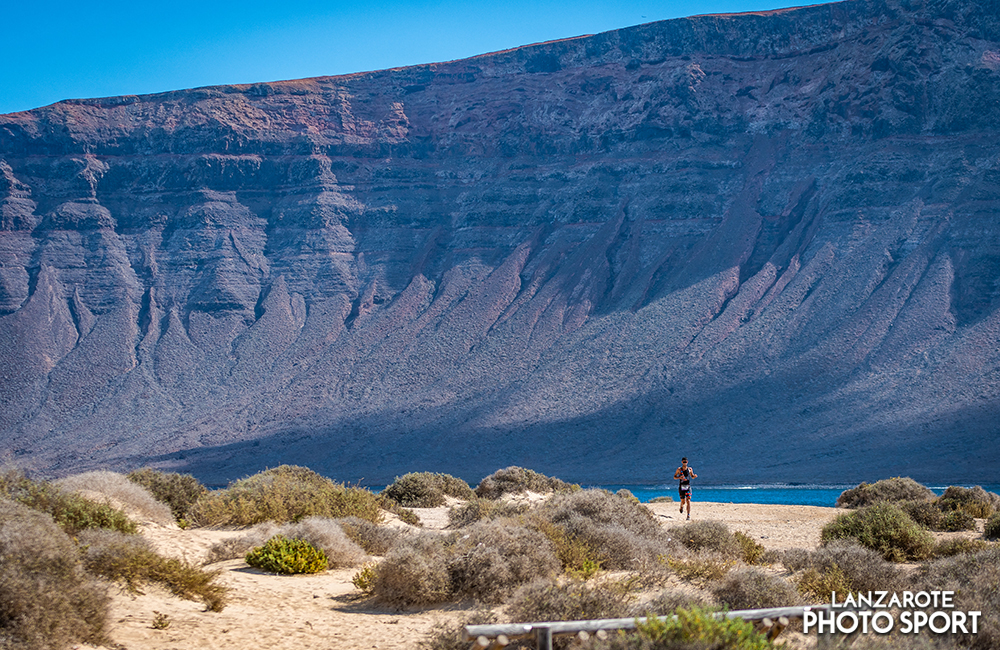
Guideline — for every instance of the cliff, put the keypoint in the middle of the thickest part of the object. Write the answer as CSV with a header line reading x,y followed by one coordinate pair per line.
x,y
769,242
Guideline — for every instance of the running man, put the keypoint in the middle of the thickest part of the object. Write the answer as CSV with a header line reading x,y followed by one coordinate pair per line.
x,y
685,474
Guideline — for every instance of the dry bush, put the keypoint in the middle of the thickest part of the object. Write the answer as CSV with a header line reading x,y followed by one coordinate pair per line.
x,y
960,545
975,579
71,512
492,558
753,588
574,600
449,636
974,501
414,572
283,494
47,600
751,551
992,528
709,536
325,534
427,489
622,534
891,490
517,480
820,585
669,600
133,498
663,499
178,491
405,514
884,528
627,494
374,539
864,569
131,560
701,568
476,509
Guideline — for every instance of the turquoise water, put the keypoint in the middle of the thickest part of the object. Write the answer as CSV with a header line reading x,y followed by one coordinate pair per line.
x,y
802,495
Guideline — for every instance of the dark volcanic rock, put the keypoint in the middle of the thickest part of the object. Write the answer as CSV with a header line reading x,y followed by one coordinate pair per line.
x,y
770,242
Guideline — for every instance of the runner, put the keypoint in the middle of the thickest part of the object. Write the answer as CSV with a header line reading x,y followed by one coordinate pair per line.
x,y
685,474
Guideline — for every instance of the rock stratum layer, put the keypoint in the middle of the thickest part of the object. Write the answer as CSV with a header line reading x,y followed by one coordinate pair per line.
x,y
770,242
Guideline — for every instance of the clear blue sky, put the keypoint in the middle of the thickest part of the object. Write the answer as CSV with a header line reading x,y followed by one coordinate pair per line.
x,y
60,50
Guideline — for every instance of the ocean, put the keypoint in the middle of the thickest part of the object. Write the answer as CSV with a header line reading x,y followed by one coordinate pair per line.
x,y
800,495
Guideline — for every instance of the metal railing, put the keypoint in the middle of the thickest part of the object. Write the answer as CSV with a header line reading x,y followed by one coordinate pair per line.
x,y
767,621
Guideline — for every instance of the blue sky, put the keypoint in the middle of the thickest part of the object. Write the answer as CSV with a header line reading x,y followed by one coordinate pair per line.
x,y
52,50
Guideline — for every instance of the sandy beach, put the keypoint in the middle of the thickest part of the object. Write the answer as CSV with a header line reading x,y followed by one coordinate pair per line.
x,y
324,612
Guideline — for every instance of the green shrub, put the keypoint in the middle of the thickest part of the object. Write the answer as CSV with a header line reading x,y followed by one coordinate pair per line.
x,y
708,536
753,588
178,491
864,569
324,534
374,539
478,509
283,494
493,558
974,501
576,600
517,480
575,555
926,513
47,600
957,520
891,490
364,579
427,489
975,579
692,629
414,572
820,584
959,546
289,556
751,551
884,528
131,560
71,512
992,529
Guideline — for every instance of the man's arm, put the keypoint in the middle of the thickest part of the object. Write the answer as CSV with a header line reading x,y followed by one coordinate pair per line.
x,y
693,475
678,472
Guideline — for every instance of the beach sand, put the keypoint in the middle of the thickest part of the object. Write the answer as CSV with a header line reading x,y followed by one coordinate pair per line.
x,y
323,611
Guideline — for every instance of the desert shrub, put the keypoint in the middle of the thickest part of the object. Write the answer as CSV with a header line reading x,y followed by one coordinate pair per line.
x,y
925,513
974,501
622,534
130,497
575,555
820,584
663,499
574,600
891,490
701,568
751,551
427,489
178,491
960,545
957,520
71,512
47,600
364,579
865,570
131,560
414,572
692,629
517,480
753,588
709,536
884,528
494,557
405,515
992,528
449,636
476,509
289,556
283,494
374,539
975,579
672,599
627,494
322,533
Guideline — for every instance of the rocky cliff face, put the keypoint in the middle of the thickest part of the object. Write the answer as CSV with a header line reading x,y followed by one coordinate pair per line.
x,y
769,242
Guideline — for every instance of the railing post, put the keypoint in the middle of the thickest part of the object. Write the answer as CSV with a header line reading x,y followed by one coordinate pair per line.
x,y
543,638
